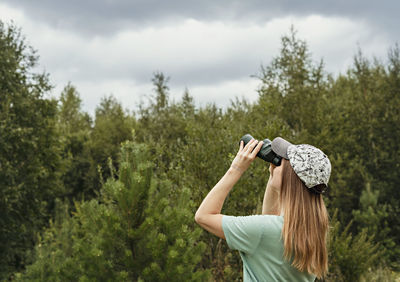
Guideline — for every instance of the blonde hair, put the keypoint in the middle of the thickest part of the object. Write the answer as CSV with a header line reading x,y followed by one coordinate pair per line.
x,y
306,224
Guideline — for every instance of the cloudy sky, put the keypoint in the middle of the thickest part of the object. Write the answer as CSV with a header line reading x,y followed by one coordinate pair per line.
x,y
211,48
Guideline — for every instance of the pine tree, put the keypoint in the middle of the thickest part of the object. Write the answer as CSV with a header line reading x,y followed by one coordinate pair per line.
x,y
350,256
373,218
140,229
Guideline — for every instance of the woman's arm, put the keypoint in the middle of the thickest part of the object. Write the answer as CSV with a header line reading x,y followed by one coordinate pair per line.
x,y
272,191
270,202
209,214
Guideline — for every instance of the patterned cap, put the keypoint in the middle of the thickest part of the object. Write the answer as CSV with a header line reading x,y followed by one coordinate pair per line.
x,y
310,164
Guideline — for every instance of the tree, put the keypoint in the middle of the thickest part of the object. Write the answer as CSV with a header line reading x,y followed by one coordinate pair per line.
x,y
30,164
139,224
163,124
294,88
112,126
350,256
372,218
140,229
75,127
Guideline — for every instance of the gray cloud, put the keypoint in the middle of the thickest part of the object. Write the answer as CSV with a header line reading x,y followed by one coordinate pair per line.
x,y
95,17
114,46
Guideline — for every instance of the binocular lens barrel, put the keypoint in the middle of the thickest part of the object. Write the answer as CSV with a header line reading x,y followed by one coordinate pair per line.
x,y
265,152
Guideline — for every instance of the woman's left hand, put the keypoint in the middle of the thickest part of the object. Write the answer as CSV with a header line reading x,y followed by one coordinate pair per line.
x,y
246,155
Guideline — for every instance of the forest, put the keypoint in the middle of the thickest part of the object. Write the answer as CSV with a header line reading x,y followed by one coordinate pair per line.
x,y
112,197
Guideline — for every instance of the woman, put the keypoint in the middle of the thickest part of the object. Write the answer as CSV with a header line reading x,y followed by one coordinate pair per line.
x,y
288,241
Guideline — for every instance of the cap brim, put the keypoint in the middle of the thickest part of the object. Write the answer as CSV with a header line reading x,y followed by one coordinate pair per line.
x,y
280,146
320,188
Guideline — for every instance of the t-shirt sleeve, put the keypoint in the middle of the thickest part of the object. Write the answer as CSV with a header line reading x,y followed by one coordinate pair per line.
x,y
242,233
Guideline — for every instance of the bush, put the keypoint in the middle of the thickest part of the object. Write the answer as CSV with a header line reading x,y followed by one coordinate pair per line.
x,y
350,256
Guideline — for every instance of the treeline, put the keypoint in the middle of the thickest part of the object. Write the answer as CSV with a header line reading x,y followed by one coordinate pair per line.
x,y
113,197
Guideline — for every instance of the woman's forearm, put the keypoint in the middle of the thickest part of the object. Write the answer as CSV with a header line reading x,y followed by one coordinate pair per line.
x,y
209,214
270,202
213,202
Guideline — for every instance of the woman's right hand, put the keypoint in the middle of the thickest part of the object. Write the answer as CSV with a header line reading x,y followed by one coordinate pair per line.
x,y
246,155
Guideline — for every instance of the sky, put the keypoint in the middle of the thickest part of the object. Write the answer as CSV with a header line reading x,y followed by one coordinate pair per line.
x,y
212,48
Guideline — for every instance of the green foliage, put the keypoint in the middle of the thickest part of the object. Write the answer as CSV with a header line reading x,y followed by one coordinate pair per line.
x,y
381,274
139,224
30,164
350,256
294,89
75,127
367,128
140,229
373,218
112,126
354,119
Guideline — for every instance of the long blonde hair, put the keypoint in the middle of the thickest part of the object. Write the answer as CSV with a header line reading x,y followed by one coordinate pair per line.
x,y
306,224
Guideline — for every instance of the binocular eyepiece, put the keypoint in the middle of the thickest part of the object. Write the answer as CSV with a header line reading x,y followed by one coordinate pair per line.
x,y
265,152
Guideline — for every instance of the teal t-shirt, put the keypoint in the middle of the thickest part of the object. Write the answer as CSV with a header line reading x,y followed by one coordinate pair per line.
x,y
258,240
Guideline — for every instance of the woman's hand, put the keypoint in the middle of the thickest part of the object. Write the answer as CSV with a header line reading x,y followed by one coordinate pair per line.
x,y
246,155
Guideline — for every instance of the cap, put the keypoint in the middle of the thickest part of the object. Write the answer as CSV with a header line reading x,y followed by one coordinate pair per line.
x,y
309,163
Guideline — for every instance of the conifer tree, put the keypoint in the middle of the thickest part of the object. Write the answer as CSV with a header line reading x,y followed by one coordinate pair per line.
x,y
350,256
140,229
373,218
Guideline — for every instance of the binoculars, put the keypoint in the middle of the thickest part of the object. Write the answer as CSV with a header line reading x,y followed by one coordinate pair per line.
x,y
265,152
